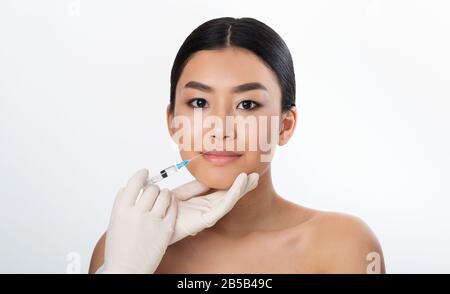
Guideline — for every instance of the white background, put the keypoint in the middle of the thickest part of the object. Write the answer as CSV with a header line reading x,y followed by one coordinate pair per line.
x,y
84,86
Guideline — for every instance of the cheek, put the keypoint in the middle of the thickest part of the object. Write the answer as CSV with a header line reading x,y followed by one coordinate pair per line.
x,y
261,135
184,131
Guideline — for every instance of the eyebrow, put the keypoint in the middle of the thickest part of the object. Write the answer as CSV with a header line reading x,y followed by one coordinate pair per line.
x,y
238,89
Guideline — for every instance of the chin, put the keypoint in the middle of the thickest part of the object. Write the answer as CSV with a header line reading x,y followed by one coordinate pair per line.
x,y
216,181
215,177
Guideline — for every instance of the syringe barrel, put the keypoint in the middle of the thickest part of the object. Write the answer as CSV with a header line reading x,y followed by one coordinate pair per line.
x,y
168,171
162,174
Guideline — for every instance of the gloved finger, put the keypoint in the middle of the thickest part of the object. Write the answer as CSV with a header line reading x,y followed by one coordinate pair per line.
x,y
187,205
228,201
233,196
219,196
118,199
200,200
171,214
207,201
161,203
253,179
134,186
147,199
190,189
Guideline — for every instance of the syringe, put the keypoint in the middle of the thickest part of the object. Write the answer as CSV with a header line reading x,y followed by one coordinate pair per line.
x,y
168,171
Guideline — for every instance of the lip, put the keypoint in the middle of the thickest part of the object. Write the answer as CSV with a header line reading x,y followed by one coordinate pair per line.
x,y
220,157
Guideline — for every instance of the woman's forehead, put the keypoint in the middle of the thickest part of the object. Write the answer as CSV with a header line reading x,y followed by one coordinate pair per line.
x,y
227,68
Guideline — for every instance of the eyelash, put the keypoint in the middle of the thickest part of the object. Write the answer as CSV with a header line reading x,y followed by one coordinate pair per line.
x,y
254,103
196,99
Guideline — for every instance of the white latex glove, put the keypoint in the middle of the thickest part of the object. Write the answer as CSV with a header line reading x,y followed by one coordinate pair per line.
x,y
197,212
140,229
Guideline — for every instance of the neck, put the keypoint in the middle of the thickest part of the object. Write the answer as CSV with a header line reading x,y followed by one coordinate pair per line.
x,y
253,212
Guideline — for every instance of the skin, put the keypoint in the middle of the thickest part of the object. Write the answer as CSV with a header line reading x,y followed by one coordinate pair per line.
x,y
263,233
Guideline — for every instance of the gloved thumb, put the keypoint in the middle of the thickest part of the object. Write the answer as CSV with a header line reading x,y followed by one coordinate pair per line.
x,y
241,186
189,190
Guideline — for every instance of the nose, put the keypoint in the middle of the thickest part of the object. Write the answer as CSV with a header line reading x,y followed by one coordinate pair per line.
x,y
225,130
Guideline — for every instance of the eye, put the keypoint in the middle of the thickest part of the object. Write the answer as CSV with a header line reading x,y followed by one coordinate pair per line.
x,y
198,103
248,105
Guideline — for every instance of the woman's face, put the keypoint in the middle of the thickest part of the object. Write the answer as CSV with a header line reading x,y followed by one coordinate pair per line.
x,y
221,85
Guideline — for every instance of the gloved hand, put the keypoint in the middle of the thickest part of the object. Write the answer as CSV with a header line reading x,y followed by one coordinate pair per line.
x,y
197,212
140,229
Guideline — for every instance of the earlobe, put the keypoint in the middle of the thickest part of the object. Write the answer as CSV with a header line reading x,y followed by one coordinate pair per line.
x,y
284,137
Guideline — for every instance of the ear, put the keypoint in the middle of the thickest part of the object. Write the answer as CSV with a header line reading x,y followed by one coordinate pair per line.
x,y
170,115
287,125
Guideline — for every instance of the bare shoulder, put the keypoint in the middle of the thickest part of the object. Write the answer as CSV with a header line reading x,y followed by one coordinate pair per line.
x,y
343,243
97,255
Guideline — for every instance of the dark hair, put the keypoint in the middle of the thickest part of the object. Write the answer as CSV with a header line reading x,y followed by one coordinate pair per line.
x,y
247,33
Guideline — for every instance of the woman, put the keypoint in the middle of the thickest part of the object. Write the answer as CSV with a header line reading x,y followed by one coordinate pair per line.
x,y
231,220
